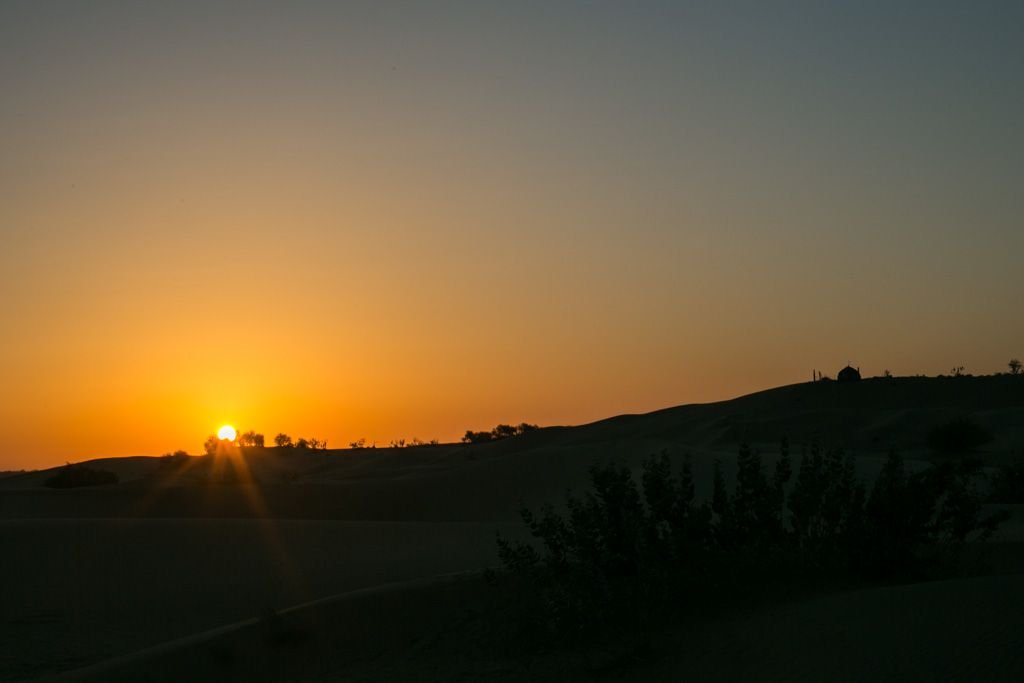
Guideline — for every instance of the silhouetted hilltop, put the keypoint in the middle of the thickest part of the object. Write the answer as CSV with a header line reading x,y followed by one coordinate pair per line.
x,y
489,481
868,415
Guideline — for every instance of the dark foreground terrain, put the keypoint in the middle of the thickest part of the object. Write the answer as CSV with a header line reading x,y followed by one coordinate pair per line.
x,y
125,581
962,630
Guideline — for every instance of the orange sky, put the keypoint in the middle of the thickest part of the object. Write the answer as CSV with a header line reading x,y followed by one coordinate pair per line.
x,y
351,223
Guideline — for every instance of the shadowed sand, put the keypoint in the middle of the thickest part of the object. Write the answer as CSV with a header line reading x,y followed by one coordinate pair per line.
x,y
78,591
962,630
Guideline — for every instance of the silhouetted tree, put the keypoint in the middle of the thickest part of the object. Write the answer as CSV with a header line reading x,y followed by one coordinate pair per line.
x,y
1014,366
504,431
825,508
724,527
211,444
250,440
783,473
283,441
754,510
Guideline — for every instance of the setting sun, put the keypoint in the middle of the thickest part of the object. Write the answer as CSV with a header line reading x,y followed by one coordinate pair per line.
x,y
226,433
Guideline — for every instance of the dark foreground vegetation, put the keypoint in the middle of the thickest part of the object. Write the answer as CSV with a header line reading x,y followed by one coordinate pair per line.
x,y
1008,483
626,557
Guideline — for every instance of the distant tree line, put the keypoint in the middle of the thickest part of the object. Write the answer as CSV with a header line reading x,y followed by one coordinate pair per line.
x,y
625,554
253,440
284,441
501,431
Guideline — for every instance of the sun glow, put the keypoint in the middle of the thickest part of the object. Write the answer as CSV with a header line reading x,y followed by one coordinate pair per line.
x,y
226,433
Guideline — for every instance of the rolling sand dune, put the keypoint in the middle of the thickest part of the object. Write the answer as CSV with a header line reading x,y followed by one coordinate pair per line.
x,y
488,481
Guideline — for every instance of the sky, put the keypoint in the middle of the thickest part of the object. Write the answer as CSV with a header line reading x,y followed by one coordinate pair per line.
x,y
392,220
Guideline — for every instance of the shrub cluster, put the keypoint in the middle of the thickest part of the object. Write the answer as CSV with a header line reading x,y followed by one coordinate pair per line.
x,y
499,432
1008,483
173,461
624,556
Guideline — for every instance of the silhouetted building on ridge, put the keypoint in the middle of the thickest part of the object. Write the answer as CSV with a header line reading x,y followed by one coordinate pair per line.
x,y
848,374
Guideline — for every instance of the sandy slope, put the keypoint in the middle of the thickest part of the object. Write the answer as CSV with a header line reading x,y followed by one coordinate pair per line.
x,y
75,591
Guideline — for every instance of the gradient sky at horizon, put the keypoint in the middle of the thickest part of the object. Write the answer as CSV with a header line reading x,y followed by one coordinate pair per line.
x,y
390,220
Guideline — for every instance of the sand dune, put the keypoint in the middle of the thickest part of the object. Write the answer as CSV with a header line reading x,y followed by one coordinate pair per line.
x,y
488,481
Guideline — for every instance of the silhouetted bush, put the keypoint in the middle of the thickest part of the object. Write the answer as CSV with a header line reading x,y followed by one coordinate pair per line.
x,y
623,557
960,436
173,461
477,437
282,440
75,476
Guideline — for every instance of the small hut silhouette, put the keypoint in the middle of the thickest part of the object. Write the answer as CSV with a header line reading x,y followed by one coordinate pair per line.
x,y
848,374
